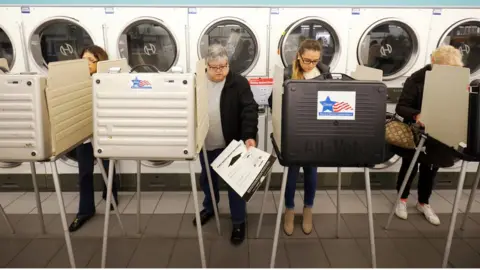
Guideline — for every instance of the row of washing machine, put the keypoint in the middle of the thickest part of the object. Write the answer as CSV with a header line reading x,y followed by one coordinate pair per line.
x,y
395,40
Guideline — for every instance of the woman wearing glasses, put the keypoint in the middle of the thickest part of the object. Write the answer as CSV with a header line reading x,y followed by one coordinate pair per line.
x,y
306,66
85,157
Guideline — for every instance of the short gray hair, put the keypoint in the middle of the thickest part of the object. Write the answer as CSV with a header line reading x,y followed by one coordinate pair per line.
x,y
216,52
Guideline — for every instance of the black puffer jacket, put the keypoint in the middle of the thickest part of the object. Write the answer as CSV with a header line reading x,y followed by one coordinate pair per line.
x,y
287,75
408,106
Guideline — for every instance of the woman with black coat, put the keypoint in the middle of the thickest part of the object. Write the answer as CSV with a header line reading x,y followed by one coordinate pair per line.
x,y
409,107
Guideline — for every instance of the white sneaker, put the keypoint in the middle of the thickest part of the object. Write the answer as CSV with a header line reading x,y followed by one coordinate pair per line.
x,y
401,210
427,210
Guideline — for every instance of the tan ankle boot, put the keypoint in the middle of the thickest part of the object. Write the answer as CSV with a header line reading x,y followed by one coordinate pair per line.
x,y
288,218
307,222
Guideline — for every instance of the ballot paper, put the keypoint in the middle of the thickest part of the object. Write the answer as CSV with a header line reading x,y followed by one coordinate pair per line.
x,y
244,170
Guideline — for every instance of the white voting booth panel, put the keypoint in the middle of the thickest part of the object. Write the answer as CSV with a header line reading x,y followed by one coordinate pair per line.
x,y
4,64
154,115
44,116
445,116
117,66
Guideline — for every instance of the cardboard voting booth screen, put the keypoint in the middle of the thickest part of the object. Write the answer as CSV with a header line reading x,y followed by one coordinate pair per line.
x,y
244,170
4,65
148,115
120,66
363,73
69,101
201,109
445,104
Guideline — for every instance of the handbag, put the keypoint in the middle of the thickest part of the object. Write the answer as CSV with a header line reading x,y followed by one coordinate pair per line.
x,y
400,134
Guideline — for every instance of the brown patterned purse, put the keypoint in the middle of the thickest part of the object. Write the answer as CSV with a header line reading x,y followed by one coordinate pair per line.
x,y
400,134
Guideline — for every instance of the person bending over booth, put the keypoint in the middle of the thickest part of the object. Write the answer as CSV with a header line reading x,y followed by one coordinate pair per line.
x,y
307,65
408,107
233,115
86,159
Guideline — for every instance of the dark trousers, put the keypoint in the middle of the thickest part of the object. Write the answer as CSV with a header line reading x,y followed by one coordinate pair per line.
x,y
309,186
237,204
425,180
85,167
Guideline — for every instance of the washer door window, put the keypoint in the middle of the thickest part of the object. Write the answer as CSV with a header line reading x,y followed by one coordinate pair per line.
x,y
6,48
238,39
58,40
390,46
309,29
466,38
148,42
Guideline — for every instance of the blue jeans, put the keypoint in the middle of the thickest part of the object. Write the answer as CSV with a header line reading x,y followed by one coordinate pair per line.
x,y
310,186
85,167
237,204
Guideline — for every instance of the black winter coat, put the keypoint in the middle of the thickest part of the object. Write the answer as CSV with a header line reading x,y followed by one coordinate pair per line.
x,y
409,105
238,109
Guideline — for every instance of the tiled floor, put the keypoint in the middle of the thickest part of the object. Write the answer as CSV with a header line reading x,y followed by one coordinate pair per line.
x,y
168,238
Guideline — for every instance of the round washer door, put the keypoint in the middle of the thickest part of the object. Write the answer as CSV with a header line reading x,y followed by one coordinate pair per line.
x,y
465,36
389,45
148,42
239,40
309,28
7,51
58,40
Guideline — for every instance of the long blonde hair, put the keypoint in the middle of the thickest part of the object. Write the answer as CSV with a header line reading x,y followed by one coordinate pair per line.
x,y
308,44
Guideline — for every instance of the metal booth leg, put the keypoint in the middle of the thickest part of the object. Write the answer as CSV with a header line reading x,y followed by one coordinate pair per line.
x,y
106,224
114,203
265,194
197,213
279,218
370,217
471,198
453,219
139,196
37,197
339,188
63,216
9,225
405,179
210,186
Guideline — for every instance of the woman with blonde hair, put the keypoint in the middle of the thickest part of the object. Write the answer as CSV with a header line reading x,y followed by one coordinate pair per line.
x,y
408,107
305,66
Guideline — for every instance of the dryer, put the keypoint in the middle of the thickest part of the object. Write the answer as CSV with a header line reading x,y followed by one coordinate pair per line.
x,y
61,33
461,29
13,50
149,36
393,40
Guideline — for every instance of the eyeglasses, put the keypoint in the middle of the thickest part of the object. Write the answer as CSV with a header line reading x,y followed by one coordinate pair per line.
x,y
309,62
219,68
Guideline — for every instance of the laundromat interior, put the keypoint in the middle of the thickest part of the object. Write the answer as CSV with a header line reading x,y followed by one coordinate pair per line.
x,y
258,35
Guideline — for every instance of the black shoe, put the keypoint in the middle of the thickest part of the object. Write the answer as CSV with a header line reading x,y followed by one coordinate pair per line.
x,y
205,216
78,222
238,234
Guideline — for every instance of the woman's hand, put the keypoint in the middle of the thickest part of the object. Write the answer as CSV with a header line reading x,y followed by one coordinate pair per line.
x,y
417,119
250,143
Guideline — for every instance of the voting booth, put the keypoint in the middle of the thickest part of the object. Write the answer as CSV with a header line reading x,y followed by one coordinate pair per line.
x,y
445,114
44,117
328,123
151,116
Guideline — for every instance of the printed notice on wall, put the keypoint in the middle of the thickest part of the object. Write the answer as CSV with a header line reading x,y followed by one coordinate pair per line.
x,y
261,89
336,105
243,169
